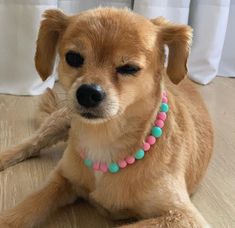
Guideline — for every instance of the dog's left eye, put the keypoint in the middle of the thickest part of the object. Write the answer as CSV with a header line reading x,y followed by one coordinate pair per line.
x,y
128,69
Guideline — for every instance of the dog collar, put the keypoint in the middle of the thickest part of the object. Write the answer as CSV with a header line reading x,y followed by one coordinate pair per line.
x,y
156,132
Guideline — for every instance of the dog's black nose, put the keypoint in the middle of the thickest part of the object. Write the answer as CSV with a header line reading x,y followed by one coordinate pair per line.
x,y
90,95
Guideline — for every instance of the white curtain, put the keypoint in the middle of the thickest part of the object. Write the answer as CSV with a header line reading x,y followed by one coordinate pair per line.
x,y
212,54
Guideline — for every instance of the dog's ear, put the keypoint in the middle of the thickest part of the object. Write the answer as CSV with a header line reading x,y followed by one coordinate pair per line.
x,y
53,25
178,39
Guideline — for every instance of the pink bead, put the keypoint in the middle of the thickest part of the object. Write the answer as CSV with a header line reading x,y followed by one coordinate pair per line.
x,y
151,139
159,123
146,146
96,166
164,93
103,167
162,116
164,100
122,164
130,160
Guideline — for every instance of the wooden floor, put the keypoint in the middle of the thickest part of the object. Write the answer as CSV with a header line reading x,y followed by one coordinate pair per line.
x,y
215,197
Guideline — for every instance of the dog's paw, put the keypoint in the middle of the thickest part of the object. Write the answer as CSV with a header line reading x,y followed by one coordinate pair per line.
x,y
130,225
3,161
11,157
1,164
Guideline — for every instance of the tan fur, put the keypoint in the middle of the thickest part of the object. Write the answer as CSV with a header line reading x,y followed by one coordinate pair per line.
x,y
155,189
49,103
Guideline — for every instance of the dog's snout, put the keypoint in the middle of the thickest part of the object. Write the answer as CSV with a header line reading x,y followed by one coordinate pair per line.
x,y
90,95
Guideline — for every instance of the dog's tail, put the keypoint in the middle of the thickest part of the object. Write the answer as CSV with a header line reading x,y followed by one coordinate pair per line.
x,y
49,103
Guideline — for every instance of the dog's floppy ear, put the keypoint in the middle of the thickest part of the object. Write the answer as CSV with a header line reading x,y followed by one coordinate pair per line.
x,y
178,39
54,23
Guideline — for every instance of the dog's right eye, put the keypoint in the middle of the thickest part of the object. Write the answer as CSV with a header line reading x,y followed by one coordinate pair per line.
x,y
74,59
128,69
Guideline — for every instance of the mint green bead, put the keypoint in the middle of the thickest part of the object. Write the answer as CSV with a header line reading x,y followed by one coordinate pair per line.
x,y
88,162
156,132
164,107
139,154
113,167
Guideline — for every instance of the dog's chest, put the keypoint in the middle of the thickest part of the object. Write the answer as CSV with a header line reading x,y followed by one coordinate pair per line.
x,y
112,197
98,151
98,176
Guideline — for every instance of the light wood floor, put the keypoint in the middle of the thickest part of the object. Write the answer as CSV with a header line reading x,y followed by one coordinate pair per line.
x,y
215,197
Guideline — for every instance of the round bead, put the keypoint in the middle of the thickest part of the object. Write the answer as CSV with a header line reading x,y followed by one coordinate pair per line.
x,y
151,140
96,166
103,167
113,167
164,100
139,154
146,146
130,160
164,93
156,132
122,164
159,123
88,162
164,107
162,116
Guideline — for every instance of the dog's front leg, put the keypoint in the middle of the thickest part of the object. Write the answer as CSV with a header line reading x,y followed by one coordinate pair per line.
x,y
54,129
34,209
186,216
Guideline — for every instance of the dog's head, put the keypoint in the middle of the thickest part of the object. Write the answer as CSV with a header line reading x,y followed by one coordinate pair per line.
x,y
110,58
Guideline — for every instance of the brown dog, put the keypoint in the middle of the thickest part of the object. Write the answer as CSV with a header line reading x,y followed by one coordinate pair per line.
x,y
112,66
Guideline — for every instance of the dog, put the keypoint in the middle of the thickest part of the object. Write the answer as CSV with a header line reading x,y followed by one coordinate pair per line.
x,y
139,137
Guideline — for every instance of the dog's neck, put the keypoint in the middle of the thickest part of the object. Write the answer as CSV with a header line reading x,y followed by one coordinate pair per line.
x,y
117,138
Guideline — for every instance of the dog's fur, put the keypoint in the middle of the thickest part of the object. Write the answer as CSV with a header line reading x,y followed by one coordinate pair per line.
x,y
155,189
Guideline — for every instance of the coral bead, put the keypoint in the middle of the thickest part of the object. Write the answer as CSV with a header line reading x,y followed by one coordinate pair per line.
x,y
156,132
122,164
103,167
164,100
96,166
162,116
88,162
139,154
164,107
151,140
146,146
113,167
130,160
159,123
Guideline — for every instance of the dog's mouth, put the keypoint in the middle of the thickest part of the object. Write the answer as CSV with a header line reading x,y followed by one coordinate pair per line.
x,y
89,115
98,114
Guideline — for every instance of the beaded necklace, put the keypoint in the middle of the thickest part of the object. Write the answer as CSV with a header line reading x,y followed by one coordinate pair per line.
x,y
156,132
